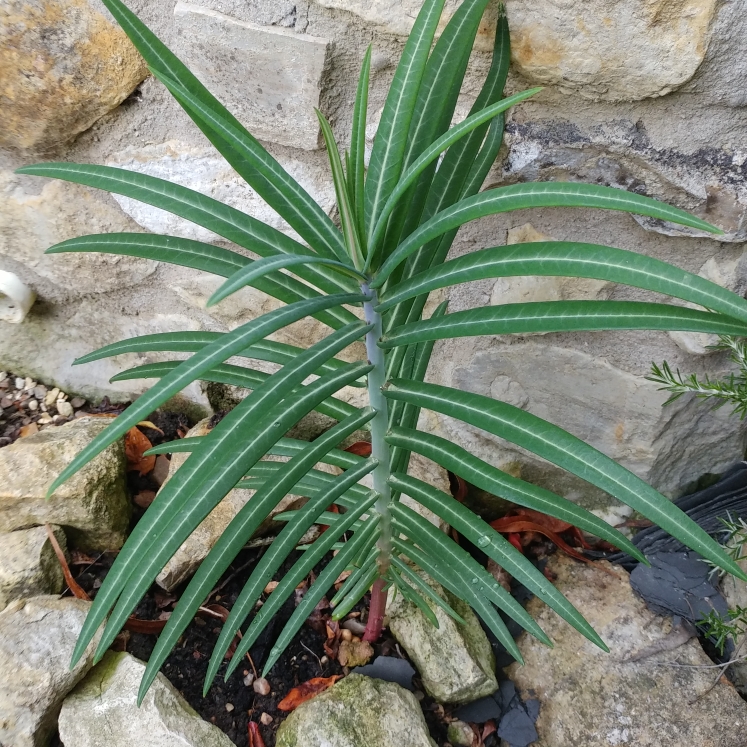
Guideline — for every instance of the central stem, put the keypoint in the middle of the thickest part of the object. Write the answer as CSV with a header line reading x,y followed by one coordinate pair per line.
x,y
379,451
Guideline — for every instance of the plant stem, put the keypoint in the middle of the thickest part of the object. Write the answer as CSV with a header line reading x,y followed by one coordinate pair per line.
x,y
379,451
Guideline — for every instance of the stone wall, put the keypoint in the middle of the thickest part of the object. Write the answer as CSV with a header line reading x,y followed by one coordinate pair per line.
x,y
647,95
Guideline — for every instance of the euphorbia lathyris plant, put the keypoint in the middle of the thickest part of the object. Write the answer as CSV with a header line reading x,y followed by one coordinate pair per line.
x,y
398,219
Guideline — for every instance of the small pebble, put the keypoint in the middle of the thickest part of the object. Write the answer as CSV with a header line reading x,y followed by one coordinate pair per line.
x,y
65,409
346,635
77,402
262,686
29,430
271,586
51,397
28,384
19,383
248,679
6,402
40,391
324,659
229,707
45,419
33,404
3,375
266,719
4,382
161,470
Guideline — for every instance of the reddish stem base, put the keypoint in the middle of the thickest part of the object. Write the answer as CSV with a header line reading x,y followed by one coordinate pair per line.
x,y
375,612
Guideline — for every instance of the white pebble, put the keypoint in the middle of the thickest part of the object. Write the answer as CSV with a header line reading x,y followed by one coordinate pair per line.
x,y
33,404
45,419
51,397
65,409
29,384
262,686
3,375
229,707
19,383
266,719
248,679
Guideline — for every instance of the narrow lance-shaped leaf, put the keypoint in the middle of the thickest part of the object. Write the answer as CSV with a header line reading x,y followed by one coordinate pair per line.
x,y
191,369
563,316
323,582
228,222
256,270
279,550
233,538
561,448
433,151
190,478
546,194
570,259
388,150
357,169
481,534
211,482
473,469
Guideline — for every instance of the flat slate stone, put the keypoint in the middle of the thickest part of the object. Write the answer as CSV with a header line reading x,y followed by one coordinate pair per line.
x,y
268,77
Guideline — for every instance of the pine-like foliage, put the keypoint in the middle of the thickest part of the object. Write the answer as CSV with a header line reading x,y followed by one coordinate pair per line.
x,y
398,219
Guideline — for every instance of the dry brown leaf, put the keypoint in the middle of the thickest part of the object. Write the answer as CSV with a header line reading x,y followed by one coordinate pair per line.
x,y
136,444
354,653
255,738
306,691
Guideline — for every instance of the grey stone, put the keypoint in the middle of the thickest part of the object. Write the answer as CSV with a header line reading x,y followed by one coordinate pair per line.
x,y
93,505
590,697
619,413
63,65
204,170
281,72
28,564
735,593
357,712
38,213
460,734
37,637
455,661
102,711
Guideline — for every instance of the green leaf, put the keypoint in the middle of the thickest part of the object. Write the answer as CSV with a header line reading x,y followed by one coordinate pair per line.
x,y
561,448
387,155
433,151
217,452
347,213
202,481
534,195
250,274
356,593
225,373
563,316
190,370
361,539
408,573
465,566
357,169
448,577
278,551
569,259
369,559
413,597
191,342
481,534
216,216
260,170
233,538
473,469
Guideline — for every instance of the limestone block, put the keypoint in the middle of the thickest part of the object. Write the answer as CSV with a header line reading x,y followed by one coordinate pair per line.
x,y
31,223
398,16
590,697
267,76
455,661
93,505
535,288
619,413
102,711
53,336
729,274
28,564
357,710
37,637
63,65
196,547
610,50
204,170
